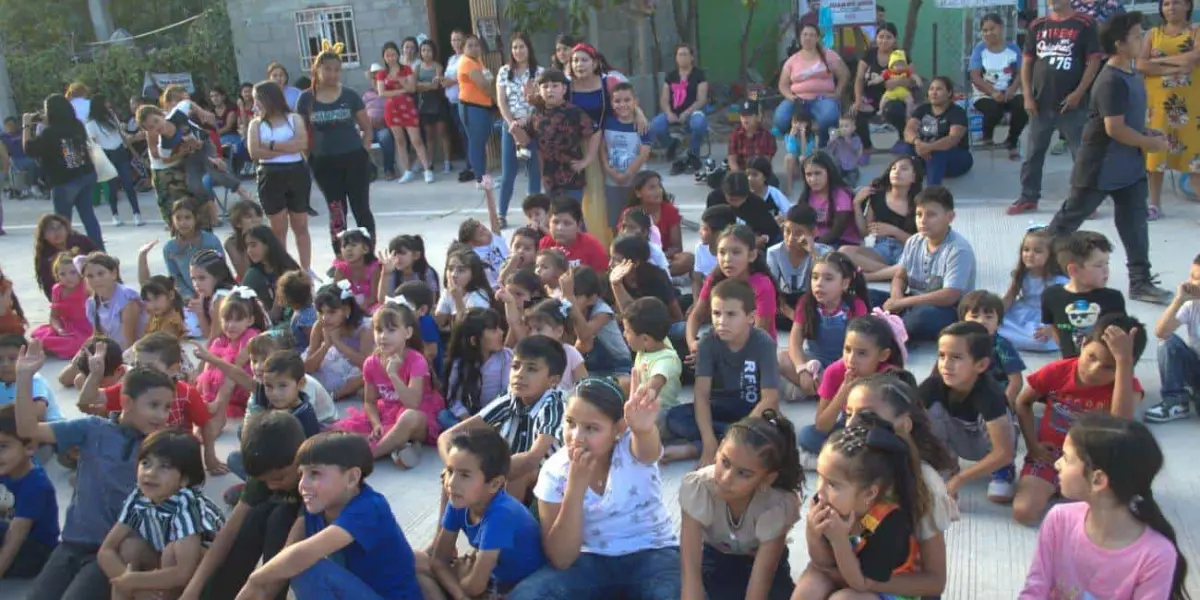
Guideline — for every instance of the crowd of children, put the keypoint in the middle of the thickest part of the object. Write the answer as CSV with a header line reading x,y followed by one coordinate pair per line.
x,y
546,371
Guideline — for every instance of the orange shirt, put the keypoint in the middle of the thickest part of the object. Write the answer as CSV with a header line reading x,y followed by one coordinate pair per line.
x,y
468,90
187,410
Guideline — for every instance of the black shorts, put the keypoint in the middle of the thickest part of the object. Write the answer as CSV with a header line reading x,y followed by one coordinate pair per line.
x,y
284,186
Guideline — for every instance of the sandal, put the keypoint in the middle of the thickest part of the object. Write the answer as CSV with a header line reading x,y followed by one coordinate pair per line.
x,y
1153,213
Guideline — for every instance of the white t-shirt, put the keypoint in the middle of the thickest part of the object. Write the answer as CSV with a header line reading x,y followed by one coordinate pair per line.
x,y
659,258
705,261
452,75
321,400
574,359
268,133
779,198
1189,318
630,517
476,299
108,138
493,256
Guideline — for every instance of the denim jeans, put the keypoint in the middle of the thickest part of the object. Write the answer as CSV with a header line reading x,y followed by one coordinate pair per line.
x,y
728,575
510,164
1129,204
954,162
809,438
455,107
387,147
697,128
823,110
477,121
120,159
1179,368
71,573
645,575
31,556
77,194
262,535
924,323
1041,131
327,580
681,419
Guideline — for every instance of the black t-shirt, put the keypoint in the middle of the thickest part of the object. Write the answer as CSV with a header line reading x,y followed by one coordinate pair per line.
x,y
884,214
652,284
683,94
1074,315
1104,163
62,152
873,91
256,492
986,402
1061,49
304,412
887,547
755,212
934,127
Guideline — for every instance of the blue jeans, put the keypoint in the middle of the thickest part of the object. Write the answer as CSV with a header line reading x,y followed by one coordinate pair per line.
x,y
645,575
1178,367
477,121
387,147
327,580
681,420
230,139
510,164
924,323
809,438
954,162
120,160
823,110
77,194
602,363
457,118
697,128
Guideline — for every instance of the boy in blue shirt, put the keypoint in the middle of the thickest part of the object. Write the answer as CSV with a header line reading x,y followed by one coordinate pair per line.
x,y
506,537
108,450
29,507
625,150
347,542
987,309
43,396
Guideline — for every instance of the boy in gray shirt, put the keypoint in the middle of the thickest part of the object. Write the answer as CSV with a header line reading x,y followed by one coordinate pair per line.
x,y
936,269
108,450
737,375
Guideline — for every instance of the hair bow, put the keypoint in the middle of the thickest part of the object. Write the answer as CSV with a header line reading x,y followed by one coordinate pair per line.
x,y
898,330
401,300
421,38
78,262
243,292
1036,226
362,230
564,307
884,438
345,286
334,47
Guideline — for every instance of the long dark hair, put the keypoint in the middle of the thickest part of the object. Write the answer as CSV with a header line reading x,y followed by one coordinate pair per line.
x,y
745,235
562,40
531,65
163,285
479,281
833,183
820,46
270,100
858,289
61,115
465,352
637,249
277,258
880,457
412,243
883,184
773,438
42,248
102,113
903,398
1130,457
1020,271
879,330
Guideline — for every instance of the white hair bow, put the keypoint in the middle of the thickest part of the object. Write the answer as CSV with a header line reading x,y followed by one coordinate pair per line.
x,y
344,285
564,307
401,300
243,292
362,230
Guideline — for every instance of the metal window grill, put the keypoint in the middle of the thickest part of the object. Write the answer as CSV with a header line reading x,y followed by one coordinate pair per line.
x,y
335,24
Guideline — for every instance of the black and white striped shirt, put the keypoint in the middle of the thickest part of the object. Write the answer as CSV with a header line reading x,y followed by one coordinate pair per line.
x,y
520,424
189,512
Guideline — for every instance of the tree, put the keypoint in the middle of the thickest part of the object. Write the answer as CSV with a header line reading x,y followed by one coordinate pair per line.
x,y
685,15
910,25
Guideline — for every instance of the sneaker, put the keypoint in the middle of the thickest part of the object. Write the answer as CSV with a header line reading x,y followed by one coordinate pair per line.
x,y
117,222
524,154
1059,147
466,175
408,457
808,460
1164,413
407,177
1147,291
1022,206
1000,488
137,219
693,162
428,176
503,222
678,167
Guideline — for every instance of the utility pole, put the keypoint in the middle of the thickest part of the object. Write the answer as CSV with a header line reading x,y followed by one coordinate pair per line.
x,y
8,106
102,21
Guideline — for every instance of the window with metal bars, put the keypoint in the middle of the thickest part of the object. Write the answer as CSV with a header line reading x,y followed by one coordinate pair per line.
x,y
335,24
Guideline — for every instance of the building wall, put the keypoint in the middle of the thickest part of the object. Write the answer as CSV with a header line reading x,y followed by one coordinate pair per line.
x,y
265,30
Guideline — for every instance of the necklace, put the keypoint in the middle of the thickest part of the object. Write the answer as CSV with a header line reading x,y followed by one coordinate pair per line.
x,y
734,523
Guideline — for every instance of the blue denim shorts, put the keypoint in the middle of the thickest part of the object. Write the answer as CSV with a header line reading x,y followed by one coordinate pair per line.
x,y
889,248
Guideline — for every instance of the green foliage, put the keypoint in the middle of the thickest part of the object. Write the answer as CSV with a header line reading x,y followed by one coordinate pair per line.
x,y
542,16
40,65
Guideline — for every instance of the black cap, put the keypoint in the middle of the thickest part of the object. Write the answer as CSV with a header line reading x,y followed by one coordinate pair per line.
x,y
750,107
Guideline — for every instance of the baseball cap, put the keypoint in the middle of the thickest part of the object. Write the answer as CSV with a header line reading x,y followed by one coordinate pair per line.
x,y
750,107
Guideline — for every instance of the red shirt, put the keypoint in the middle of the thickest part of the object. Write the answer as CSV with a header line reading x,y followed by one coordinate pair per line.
x,y
1066,399
586,250
746,146
187,410
668,221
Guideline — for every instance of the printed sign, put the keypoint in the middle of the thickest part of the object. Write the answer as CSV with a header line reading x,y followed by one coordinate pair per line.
x,y
974,3
154,83
851,12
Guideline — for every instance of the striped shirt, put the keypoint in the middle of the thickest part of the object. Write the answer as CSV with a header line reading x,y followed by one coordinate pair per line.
x,y
189,512
520,424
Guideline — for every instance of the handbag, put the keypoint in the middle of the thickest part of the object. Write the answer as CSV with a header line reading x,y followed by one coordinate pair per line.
x,y
105,171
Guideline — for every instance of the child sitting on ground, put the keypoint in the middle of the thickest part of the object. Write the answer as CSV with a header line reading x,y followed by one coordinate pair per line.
x,y
1074,309
242,318
341,341
164,307
969,412
420,298
597,334
749,138
488,244
64,335
42,394
799,142
831,198
479,366
737,375
343,516
29,522
1101,379
1035,271
294,292
987,309
358,265
580,247
1179,351
537,213
506,538
713,221
277,384
405,260
167,521
656,367
552,318
790,261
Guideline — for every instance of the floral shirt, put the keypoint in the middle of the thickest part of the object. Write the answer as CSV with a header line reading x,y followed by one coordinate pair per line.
x,y
561,133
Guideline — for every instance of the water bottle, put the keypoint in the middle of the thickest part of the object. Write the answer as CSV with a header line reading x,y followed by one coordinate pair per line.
x,y
976,127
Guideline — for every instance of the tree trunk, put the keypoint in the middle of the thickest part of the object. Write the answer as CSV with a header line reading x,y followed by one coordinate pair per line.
x,y
910,25
684,13
102,21
744,64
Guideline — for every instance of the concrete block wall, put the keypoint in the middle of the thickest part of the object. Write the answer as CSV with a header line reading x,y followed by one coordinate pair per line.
x,y
265,30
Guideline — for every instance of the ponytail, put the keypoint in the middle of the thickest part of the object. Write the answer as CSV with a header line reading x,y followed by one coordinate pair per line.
x,y
773,437
882,458
856,290
1145,509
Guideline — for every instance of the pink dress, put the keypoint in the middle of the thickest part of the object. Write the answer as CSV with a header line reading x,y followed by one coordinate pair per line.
x,y
211,380
389,405
364,294
72,313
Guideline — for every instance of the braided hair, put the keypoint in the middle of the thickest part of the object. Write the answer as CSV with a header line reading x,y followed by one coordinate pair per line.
x,y
879,457
773,437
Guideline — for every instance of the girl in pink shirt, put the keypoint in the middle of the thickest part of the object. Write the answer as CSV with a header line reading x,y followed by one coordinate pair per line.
x,y
400,403
738,257
828,195
1114,542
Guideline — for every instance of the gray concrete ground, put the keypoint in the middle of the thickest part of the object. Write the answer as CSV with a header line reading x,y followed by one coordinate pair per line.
x,y
989,554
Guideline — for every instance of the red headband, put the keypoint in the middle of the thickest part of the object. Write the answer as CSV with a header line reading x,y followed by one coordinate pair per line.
x,y
590,50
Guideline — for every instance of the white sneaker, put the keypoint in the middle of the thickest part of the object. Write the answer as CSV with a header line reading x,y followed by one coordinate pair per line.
x,y
408,457
137,219
428,176
407,177
447,167
808,460
117,222
1000,491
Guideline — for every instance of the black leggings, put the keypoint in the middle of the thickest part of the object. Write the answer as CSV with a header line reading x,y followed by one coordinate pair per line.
x,y
262,535
894,113
993,112
342,179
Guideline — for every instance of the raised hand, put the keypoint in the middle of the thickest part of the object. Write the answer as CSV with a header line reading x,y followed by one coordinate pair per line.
x,y
31,358
95,357
147,247
641,410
